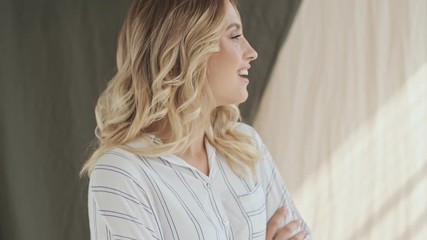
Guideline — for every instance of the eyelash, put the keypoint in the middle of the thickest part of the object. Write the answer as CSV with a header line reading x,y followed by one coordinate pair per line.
x,y
237,36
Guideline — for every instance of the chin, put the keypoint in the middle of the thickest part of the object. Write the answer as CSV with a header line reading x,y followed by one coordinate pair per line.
x,y
242,100
245,96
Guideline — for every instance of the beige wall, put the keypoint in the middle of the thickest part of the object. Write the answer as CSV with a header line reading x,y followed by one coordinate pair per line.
x,y
345,117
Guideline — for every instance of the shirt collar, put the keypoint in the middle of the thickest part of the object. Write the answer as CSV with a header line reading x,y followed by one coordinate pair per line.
x,y
212,158
173,159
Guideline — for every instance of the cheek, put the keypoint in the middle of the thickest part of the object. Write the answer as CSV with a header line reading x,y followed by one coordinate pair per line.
x,y
216,68
227,66
223,64
230,56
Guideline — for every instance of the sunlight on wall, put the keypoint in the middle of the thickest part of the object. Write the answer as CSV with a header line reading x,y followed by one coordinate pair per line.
x,y
375,186
345,118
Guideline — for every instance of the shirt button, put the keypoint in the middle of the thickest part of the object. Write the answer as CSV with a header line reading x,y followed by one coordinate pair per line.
x,y
208,185
225,221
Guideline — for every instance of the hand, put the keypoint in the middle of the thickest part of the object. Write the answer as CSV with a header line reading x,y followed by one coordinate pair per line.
x,y
287,231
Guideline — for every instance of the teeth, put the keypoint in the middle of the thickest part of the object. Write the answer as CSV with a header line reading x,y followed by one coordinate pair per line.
x,y
243,72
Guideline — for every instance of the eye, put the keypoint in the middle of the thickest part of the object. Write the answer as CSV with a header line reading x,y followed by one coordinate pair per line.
x,y
236,36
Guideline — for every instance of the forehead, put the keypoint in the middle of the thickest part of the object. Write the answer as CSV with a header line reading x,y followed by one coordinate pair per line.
x,y
232,16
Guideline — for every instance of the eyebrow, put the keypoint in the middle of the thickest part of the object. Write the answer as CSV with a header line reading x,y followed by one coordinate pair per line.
x,y
236,25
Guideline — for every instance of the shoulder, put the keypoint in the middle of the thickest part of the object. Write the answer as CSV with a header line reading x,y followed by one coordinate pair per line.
x,y
250,131
116,179
117,168
118,159
246,128
122,160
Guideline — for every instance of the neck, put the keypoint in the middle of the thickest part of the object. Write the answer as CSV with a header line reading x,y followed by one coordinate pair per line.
x,y
195,154
197,146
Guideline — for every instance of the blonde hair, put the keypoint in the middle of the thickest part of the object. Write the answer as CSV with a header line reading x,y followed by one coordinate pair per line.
x,y
162,56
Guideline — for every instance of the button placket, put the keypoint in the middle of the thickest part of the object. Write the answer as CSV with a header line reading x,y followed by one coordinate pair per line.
x,y
225,222
228,228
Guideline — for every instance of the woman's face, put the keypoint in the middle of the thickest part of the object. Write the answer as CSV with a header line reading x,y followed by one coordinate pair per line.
x,y
228,68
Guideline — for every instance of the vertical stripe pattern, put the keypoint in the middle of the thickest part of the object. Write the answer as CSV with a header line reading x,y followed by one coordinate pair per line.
x,y
134,197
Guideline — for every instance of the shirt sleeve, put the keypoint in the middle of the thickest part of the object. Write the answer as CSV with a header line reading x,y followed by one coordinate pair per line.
x,y
118,205
277,194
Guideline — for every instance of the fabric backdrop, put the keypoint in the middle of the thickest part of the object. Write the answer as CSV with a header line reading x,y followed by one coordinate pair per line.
x,y
345,117
55,58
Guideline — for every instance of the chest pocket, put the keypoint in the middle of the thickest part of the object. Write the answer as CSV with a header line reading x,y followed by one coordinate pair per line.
x,y
253,204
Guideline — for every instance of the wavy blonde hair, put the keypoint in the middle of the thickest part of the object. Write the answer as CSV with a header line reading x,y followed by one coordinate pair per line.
x,y
161,84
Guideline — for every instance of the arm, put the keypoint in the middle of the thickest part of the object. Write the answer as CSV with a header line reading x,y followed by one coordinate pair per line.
x,y
284,218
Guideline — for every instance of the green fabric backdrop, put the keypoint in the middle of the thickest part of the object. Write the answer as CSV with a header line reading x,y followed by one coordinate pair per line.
x,y
55,58
266,25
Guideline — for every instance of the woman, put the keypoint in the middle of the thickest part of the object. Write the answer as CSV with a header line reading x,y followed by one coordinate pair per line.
x,y
172,161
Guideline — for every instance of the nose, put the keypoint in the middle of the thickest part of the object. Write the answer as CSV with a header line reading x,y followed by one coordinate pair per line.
x,y
250,53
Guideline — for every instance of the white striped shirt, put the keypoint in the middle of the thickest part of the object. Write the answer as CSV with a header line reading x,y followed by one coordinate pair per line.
x,y
134,197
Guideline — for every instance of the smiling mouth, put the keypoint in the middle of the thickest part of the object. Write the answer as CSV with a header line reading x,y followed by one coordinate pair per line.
x,y
244,78
244,73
